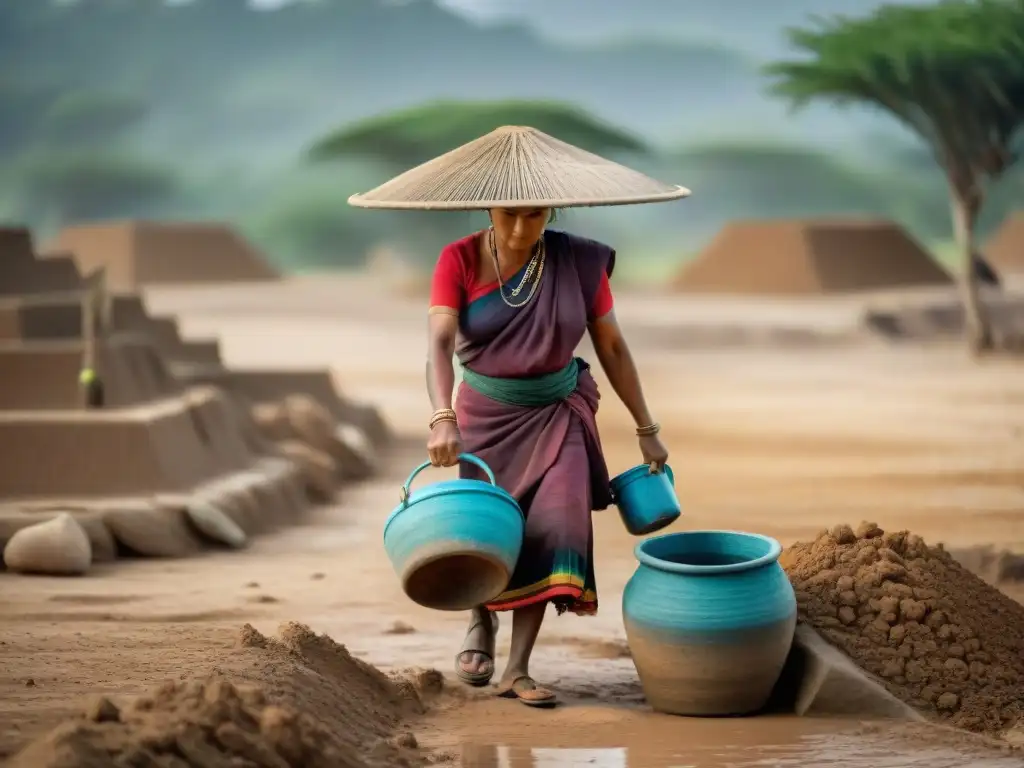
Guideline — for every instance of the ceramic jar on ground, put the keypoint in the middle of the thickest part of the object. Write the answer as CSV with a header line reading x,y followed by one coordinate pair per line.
x,y
710,617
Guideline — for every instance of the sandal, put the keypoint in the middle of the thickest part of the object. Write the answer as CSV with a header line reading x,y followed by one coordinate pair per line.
x,y
477,679
525,689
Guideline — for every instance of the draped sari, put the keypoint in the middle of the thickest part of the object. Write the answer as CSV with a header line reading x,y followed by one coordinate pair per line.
x,y
547,456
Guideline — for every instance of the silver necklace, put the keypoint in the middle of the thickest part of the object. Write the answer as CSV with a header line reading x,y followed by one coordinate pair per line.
x,y
536,265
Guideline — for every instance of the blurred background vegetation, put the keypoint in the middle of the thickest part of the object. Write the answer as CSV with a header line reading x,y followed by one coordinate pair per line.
x,y
270,117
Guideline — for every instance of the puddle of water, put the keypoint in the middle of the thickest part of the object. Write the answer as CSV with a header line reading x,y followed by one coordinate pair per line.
x,y
817,751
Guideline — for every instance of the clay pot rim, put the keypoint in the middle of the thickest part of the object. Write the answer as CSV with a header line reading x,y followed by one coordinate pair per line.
x,y
773,551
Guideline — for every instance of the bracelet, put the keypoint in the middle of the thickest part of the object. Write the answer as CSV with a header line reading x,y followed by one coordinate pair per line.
x,y
435,422
649,430
442,414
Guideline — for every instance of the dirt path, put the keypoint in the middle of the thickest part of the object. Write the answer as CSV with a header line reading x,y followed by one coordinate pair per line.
x,y
782,443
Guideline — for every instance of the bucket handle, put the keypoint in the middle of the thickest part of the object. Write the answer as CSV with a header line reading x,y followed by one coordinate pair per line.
x,y
468,457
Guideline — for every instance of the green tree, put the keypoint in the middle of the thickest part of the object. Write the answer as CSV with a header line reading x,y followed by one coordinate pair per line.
x,y
952,73
413,136
87,118
64,187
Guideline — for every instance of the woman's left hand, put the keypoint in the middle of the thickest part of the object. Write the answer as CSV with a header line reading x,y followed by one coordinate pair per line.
x,y
654,452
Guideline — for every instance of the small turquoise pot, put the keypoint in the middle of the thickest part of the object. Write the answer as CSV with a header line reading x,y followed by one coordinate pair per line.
x,y
710,617
646,500
454,544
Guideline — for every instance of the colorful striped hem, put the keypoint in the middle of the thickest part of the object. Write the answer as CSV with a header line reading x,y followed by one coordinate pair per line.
x,y
567,597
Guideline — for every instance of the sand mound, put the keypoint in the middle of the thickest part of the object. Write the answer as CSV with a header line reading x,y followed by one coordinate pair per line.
x,y
940,638
137,253
1005,251
792,257
300,701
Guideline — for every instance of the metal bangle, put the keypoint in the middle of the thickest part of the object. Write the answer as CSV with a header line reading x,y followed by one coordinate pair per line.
x,y
443,417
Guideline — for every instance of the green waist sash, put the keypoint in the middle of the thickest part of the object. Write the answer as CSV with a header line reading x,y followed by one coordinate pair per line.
x,y
531,391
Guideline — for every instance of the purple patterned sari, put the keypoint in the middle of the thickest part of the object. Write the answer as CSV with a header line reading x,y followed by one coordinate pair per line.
x,y
549,457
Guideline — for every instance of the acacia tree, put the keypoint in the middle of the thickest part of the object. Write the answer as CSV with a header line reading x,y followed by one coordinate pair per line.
x,y
952,73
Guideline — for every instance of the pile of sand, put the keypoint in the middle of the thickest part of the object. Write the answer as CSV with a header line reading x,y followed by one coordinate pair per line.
x,y
139,253
301,701
939,637
795,257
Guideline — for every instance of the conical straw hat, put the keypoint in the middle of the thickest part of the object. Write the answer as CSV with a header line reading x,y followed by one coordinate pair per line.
x,y
516,167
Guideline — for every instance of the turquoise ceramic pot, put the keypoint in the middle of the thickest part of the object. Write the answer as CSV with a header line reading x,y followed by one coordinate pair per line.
x,y
454,544
710,617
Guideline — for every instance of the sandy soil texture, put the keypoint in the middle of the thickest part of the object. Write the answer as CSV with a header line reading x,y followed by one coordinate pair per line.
x,y
783,442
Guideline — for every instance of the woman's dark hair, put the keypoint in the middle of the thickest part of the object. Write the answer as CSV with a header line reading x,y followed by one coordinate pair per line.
x,y
553,215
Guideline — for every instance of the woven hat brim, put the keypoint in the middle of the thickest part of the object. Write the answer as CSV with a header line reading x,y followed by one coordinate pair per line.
x,y
517,167
361,201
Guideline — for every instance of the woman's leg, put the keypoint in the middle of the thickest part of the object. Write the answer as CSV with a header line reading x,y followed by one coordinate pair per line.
x,y
555,564
526,624
475,662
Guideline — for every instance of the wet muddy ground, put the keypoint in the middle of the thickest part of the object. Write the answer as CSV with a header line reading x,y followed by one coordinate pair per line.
x,y
644,740
781,442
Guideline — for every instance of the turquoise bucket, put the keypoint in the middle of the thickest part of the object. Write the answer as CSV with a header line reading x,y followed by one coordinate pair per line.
x,y
454,544
709,617
646,500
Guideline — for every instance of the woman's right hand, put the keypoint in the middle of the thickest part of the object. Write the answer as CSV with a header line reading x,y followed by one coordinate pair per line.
x,y
444,444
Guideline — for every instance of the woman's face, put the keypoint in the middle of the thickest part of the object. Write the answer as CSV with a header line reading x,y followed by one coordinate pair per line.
x,y
518,229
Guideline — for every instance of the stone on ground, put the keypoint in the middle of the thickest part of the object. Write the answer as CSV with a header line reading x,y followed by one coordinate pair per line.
x,y
311,422
352,451
319,470
152,530
272,421
214,524
56,547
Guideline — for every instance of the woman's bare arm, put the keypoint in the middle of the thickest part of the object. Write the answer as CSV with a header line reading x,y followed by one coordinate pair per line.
x,y
617,363
441,331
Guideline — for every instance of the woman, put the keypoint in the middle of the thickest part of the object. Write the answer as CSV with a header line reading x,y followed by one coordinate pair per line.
x,y
513,302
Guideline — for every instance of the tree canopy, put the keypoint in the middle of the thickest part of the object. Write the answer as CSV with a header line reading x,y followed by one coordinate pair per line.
x,y
952,73
84,117
413,136
78,186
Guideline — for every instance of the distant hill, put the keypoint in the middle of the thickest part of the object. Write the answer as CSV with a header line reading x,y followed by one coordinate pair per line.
x,y
222,77
752,26
217,66
204,109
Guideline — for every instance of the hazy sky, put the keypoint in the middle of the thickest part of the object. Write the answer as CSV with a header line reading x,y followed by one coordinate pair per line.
x,y
754,26
474,7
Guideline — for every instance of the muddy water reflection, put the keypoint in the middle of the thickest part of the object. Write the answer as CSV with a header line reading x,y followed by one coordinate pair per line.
x,y
813,751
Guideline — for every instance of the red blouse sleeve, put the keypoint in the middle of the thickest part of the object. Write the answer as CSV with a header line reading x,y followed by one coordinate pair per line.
x,y
603,299
448,286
